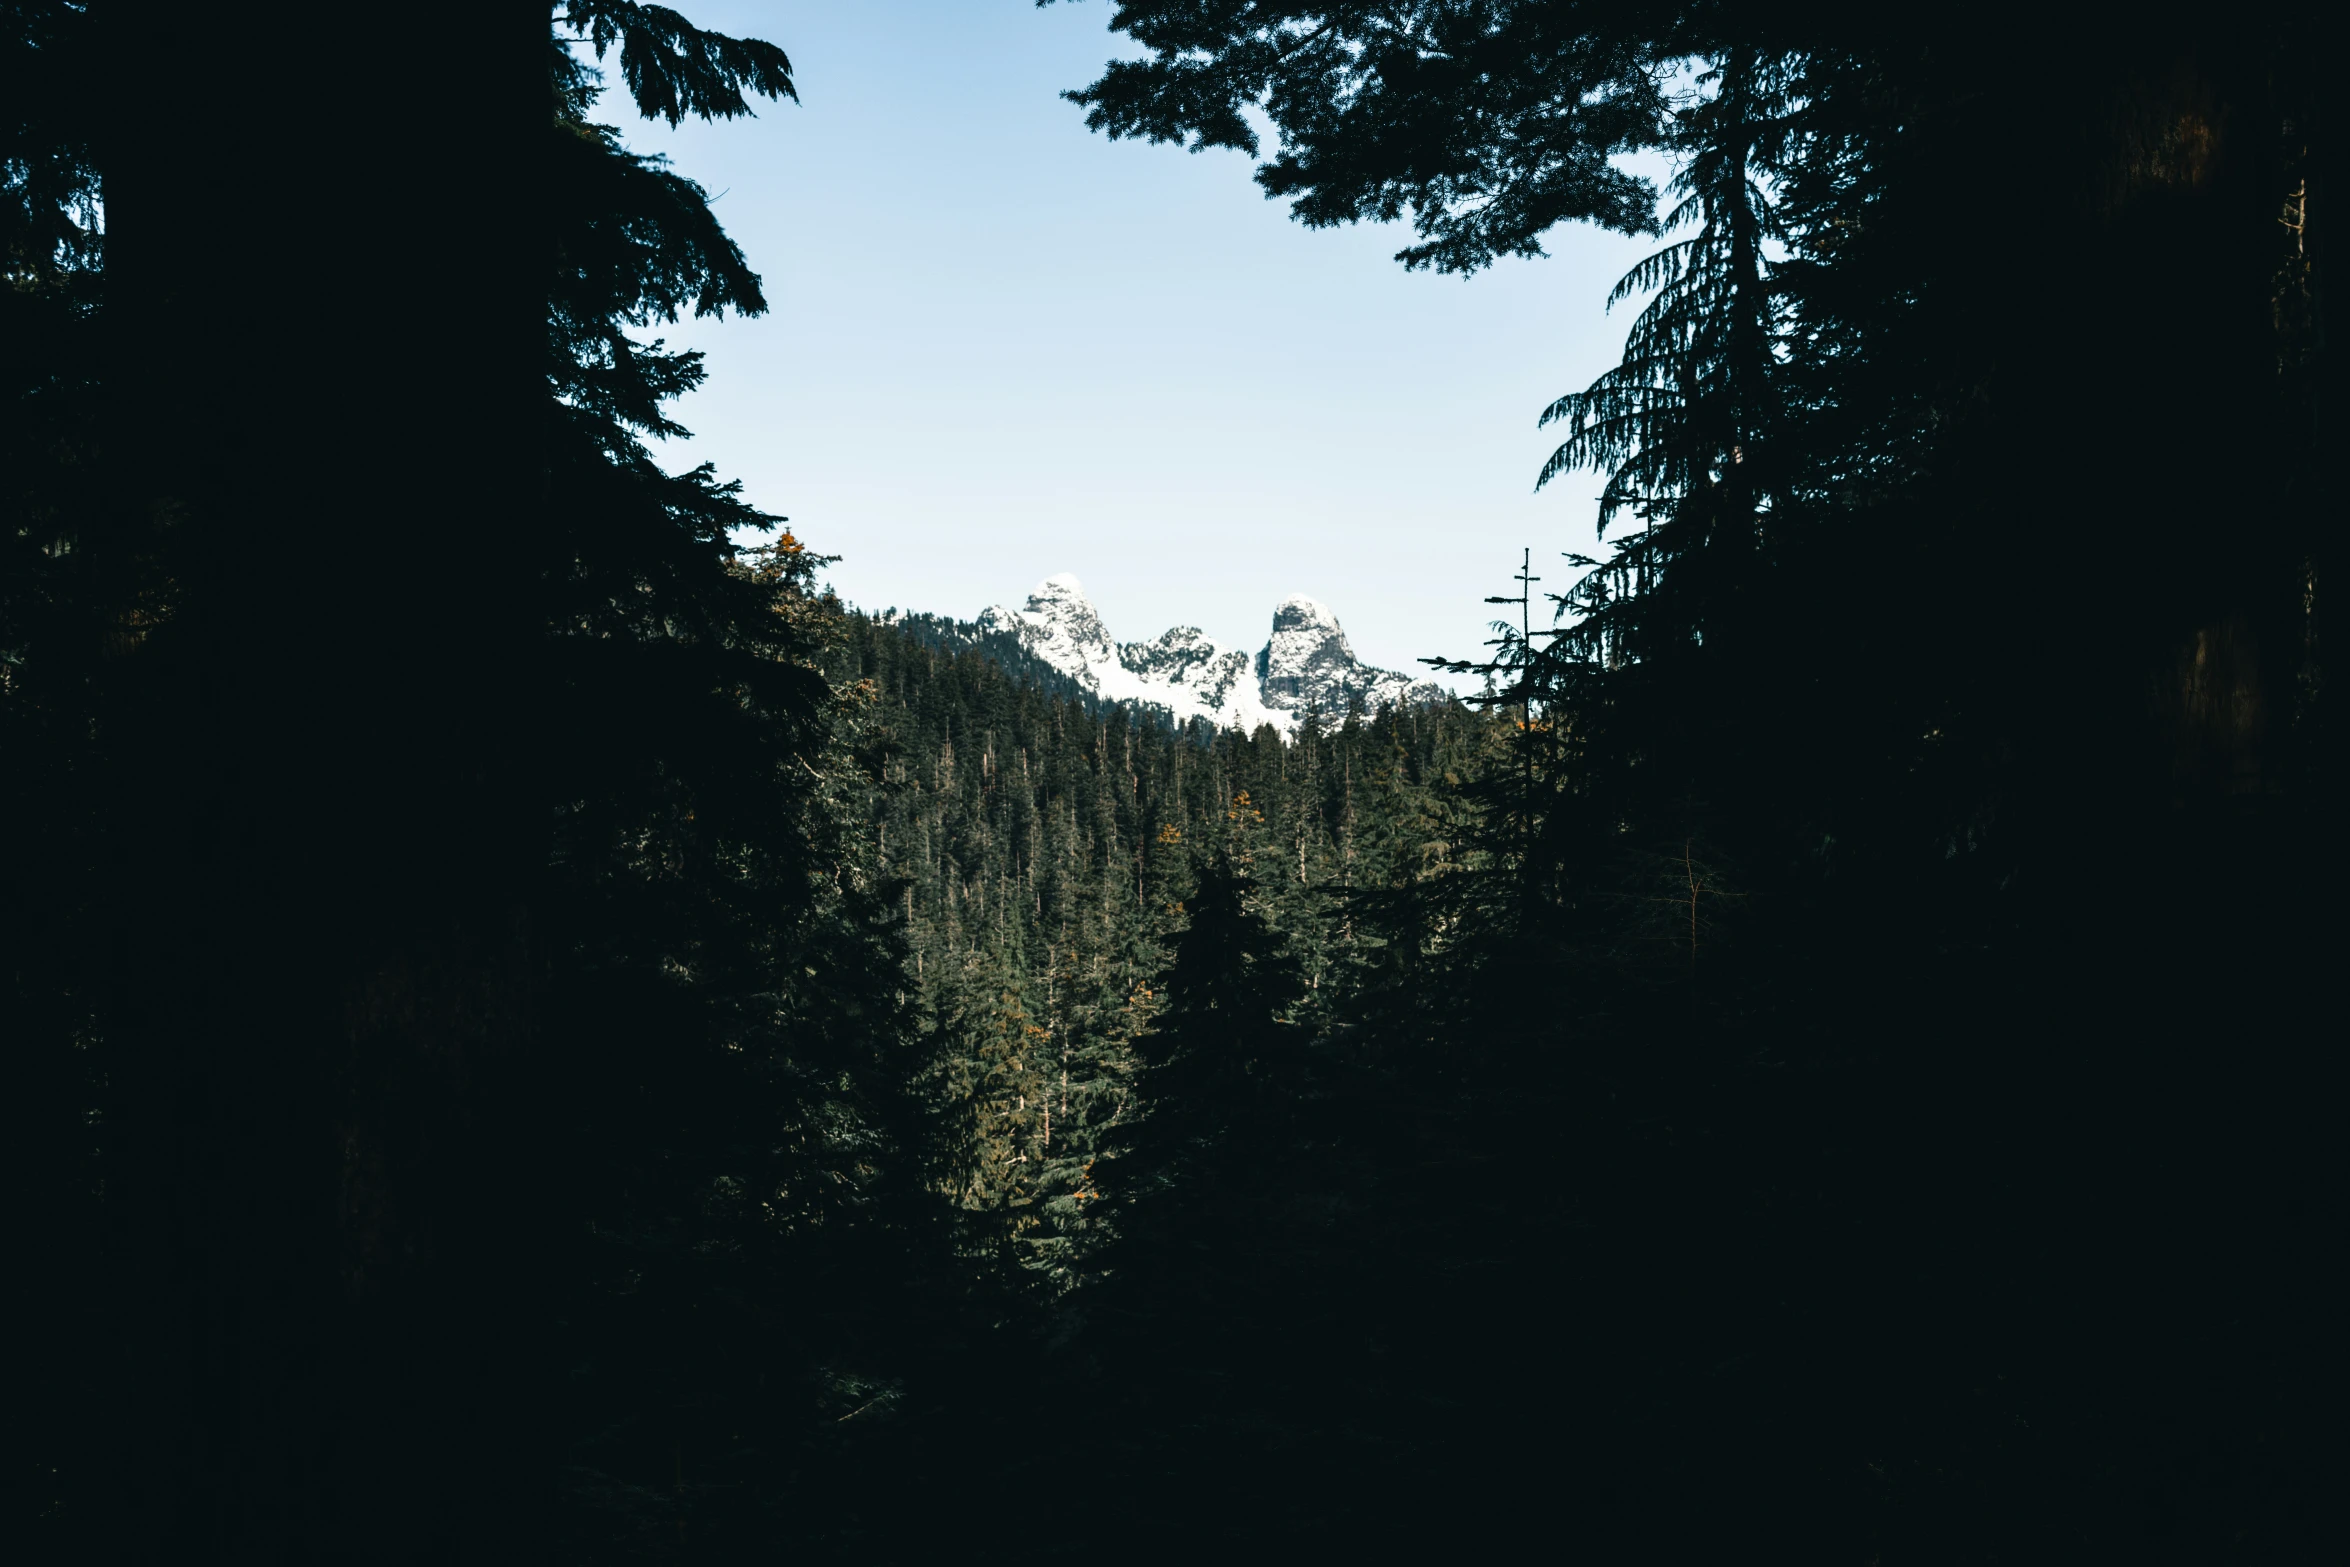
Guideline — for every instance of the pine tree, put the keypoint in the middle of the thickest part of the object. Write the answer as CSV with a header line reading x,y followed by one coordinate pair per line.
x,y
73,589
1865,763
1226,1056
513,958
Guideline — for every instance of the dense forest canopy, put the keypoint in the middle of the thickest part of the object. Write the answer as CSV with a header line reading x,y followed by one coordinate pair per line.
x,y
536,1032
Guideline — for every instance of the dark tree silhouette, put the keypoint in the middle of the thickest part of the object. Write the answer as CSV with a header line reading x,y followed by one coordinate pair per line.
x,y
535,1032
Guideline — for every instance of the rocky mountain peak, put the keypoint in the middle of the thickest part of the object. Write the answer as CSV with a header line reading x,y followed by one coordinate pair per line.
x,y
1298,612
1307,657
1306,666
1060,618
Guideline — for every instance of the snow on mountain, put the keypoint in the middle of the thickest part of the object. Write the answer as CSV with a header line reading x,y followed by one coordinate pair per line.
x,y
1306,666
1309,665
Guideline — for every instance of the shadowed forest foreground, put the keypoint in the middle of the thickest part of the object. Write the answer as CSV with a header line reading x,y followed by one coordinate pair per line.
x,y
534,1033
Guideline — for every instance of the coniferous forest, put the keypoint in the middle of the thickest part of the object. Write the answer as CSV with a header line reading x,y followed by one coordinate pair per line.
x,y
535,1032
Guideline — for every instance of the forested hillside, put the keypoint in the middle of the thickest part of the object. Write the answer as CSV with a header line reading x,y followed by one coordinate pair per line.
x,y
536,1033
1044,847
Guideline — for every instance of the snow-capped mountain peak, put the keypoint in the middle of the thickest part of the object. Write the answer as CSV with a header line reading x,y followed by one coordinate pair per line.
x,y
1059,625
1308,652
1306,666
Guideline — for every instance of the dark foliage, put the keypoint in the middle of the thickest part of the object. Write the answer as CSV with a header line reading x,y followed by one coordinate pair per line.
x,y
1817,1054
537,1033
462,1044
1487,124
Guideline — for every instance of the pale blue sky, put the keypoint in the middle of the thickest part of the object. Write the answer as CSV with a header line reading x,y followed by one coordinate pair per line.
x,y
1002,346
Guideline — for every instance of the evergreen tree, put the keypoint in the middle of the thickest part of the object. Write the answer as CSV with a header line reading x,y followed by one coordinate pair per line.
x,y
513,993
71,588
1775,919
538,1032
1199,1270
1225,1061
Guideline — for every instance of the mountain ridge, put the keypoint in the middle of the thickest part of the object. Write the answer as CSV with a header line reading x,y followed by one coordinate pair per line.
x,y
1306,666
